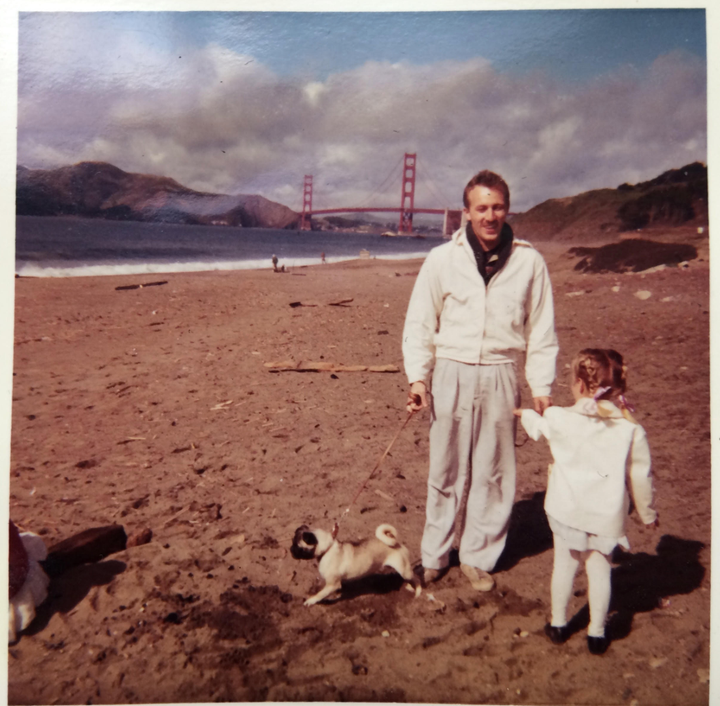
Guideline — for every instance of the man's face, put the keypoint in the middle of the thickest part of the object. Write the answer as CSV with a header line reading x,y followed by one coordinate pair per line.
x,y
487,213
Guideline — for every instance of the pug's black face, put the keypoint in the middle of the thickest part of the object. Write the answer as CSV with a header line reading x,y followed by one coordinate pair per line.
x,y
304,543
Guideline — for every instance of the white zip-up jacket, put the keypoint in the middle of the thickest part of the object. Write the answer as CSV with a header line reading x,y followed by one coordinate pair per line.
x,y
594,460
452,314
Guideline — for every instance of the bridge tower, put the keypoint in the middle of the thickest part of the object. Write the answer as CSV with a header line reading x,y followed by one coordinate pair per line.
x,y
305,223
407,201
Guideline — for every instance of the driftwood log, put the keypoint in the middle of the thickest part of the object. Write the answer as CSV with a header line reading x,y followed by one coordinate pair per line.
x,y
323,366
84,548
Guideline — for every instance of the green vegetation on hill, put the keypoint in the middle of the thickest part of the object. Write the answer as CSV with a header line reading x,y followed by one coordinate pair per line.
x,y
670,198
676,197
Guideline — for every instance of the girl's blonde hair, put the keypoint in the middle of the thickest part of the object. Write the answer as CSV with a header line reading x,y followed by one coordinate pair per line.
x,y
603,368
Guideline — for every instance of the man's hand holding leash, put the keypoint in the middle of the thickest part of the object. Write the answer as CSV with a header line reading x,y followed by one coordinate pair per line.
x,y
417,397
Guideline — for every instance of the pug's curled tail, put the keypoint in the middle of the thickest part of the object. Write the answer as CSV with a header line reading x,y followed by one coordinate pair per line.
x,y
388,534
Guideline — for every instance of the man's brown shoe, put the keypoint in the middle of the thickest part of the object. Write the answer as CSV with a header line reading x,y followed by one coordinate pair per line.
x,y
480,580
430,575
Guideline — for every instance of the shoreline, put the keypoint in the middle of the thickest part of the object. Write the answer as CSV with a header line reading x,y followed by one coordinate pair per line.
x,y
30,270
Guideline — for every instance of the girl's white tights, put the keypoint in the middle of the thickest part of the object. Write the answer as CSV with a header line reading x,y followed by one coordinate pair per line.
x,y
565,565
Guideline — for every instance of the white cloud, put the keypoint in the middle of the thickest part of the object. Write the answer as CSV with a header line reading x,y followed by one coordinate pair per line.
x,y
221,121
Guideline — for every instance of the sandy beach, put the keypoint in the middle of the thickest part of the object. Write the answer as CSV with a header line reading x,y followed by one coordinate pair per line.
x,y
152,407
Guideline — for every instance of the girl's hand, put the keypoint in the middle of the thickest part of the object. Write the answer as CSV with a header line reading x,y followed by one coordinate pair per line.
x,y
542,403
517,412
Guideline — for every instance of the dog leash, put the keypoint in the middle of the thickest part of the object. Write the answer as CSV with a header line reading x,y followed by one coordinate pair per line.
x,y
336,526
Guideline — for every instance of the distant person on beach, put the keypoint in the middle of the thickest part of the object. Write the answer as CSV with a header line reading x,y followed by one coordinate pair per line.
x,y
322,258
479,302
598,451
275,263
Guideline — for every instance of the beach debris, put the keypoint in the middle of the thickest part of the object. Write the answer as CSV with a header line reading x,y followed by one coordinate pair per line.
x,y
137,539
140,286
643,294
87,547
339,302
124,441
384,495
574,294
657,662
684,265
89,463
385,633
325,366
616,288
221,405
431,641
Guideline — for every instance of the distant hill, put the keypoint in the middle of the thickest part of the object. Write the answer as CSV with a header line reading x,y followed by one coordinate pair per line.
x,y
101,190
676,197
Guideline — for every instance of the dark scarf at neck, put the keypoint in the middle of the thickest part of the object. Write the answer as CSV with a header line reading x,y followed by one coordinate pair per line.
x,y
490,262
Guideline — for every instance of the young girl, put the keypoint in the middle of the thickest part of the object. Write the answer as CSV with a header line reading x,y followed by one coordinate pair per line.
x,y
597,448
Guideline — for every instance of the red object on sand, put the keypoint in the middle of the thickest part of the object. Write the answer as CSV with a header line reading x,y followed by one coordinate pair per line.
x,y
19,563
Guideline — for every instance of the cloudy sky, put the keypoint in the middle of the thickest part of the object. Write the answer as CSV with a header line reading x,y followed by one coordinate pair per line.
x,y
558,102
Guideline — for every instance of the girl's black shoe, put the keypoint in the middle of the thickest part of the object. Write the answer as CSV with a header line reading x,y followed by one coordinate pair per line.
x,y
557,635
597,645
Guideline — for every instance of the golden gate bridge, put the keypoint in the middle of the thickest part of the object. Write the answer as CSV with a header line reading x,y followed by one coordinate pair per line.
x,y
407,208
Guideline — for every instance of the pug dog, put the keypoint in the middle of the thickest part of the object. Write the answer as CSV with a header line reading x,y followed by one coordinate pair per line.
x,y
344,561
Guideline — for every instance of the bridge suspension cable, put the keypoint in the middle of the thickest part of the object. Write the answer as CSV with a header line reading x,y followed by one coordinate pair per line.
x,y
430,184
384,183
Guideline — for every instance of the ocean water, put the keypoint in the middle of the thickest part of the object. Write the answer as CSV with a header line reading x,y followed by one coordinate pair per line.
x,y
73,247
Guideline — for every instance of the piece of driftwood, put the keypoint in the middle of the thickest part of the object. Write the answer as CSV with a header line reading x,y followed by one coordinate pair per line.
x,y
84,548
340,302
141,286
323,366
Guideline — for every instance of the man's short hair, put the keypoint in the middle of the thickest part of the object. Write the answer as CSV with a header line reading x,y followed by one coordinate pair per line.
x,y
491,181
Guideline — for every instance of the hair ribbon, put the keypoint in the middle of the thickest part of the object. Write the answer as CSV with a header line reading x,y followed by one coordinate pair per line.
x,y
626,404
600,392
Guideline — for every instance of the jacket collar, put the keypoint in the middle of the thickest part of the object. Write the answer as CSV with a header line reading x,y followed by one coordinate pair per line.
x,y
459,237
590,408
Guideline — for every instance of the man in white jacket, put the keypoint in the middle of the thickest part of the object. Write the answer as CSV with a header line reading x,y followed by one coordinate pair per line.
x,y
479,302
